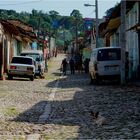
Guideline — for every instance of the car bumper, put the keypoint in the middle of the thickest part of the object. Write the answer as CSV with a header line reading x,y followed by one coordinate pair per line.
x,y
104,76
110,77
20,73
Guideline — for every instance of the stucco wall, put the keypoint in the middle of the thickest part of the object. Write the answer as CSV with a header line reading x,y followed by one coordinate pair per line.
x,y
132,41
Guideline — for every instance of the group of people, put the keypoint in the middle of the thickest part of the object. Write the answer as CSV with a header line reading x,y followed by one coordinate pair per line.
x,y
75,63
64,66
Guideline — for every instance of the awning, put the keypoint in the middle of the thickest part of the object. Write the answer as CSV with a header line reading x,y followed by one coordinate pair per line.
x,y
19,23
114,23
9,27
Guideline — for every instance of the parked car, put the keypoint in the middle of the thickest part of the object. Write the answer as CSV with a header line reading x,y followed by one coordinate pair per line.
x,y
105,63
38,56
22,66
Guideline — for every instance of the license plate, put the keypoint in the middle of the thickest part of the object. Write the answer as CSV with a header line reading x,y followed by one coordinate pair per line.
x,y
111,68
21,68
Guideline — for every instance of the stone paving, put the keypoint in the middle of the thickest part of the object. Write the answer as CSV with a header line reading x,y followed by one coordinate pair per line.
x,y
58,108
119,105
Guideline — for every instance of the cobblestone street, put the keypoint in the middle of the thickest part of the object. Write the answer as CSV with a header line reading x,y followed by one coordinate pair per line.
x,y
58,107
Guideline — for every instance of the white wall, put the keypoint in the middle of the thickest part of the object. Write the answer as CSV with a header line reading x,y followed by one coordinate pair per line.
x,y
114,39
15,47
52,44
132,46
132,41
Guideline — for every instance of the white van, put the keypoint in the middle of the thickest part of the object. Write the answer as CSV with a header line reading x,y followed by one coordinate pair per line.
x,y
105,63
38,56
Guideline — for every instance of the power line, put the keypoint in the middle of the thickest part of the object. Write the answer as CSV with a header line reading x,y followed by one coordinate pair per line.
x,y
20,3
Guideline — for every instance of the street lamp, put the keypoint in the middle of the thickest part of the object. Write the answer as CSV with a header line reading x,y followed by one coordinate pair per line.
x,y
96,12
88,5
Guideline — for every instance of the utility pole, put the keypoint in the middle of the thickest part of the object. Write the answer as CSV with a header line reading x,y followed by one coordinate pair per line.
x,y
64,38
123,40
96,11
97,21
76,36
49,42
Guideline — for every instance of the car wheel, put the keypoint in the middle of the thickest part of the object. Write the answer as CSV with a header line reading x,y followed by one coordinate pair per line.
x,y
41,75
32,78
10,77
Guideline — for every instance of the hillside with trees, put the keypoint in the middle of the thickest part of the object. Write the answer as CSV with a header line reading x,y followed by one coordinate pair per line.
x,y
51,22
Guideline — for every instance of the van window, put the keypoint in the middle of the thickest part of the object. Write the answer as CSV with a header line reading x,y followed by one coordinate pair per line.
x,y
109,54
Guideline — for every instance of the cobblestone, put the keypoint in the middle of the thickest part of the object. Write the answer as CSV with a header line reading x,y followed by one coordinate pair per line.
x,y
22,103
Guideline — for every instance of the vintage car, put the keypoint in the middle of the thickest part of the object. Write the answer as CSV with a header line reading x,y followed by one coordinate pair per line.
x,y
21,66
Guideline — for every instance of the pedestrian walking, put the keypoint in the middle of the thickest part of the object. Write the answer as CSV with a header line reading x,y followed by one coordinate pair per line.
x,y
86,65
78,62
72,65
64,66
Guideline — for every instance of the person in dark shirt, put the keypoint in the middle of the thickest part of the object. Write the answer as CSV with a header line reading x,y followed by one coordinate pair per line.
x,y
64,66
72,66
78,62
86,65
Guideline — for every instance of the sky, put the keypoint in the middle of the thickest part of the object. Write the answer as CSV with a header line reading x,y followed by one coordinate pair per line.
x,y
63,7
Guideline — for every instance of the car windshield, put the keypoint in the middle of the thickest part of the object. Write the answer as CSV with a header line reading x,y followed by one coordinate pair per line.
x,y
109,54
33,55
20,60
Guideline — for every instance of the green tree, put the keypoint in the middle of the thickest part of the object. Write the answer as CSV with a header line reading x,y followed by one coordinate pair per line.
x,y
109,11
76,14
53,14
77,22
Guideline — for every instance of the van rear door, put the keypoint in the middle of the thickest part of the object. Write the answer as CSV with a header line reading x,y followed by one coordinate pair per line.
x,y
109,61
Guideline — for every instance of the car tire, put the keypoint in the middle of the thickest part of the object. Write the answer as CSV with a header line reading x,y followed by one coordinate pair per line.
x,y
41,75
10,77
32,78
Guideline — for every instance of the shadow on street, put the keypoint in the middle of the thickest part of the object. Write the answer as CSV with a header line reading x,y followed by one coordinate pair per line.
x,y
118,105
